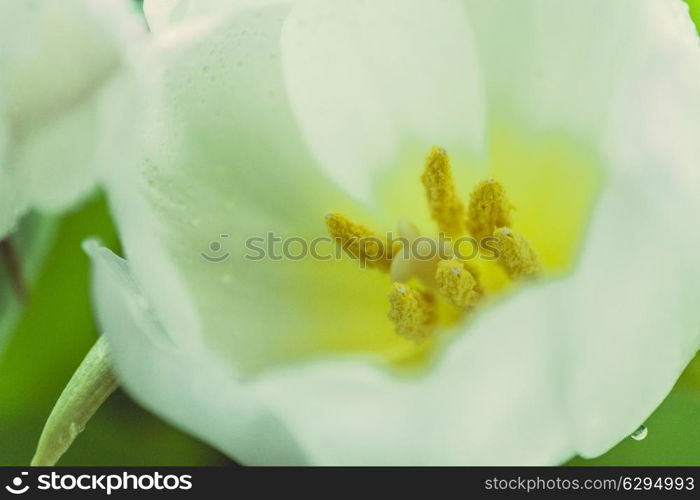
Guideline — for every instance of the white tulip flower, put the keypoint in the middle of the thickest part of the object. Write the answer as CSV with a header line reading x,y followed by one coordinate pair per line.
x,y
574,126
59,59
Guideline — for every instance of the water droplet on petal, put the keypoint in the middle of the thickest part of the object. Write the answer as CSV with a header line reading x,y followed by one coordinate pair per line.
x,y
640,433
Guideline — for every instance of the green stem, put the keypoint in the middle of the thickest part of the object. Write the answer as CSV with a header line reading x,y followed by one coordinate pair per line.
x,y
9,255
89,387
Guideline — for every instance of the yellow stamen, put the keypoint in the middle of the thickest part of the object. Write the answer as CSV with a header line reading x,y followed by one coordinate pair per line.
x,y
412,311
445,206
361,243
516,256
458,283
489,208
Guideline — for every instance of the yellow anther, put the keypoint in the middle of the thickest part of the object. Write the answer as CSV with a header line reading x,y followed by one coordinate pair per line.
x,y
458,283
412,311
446,208
361,243
516,256
489,208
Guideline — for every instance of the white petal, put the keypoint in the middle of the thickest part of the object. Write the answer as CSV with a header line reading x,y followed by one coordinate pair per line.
x,y
376,84
559,66
493,398
642,327
66,146
632,325
56,58
162,15
224,156
183,385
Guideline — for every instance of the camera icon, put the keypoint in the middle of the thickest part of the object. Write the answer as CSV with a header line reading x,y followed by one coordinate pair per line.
x,y
16,487
215,247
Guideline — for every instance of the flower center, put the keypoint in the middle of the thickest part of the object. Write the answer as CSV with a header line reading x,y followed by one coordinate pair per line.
x,y
434,281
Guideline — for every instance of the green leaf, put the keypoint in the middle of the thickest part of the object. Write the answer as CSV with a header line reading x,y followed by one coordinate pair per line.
x,y
695,12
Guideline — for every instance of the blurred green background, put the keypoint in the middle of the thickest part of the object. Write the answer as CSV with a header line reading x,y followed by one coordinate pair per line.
x,y
55,330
